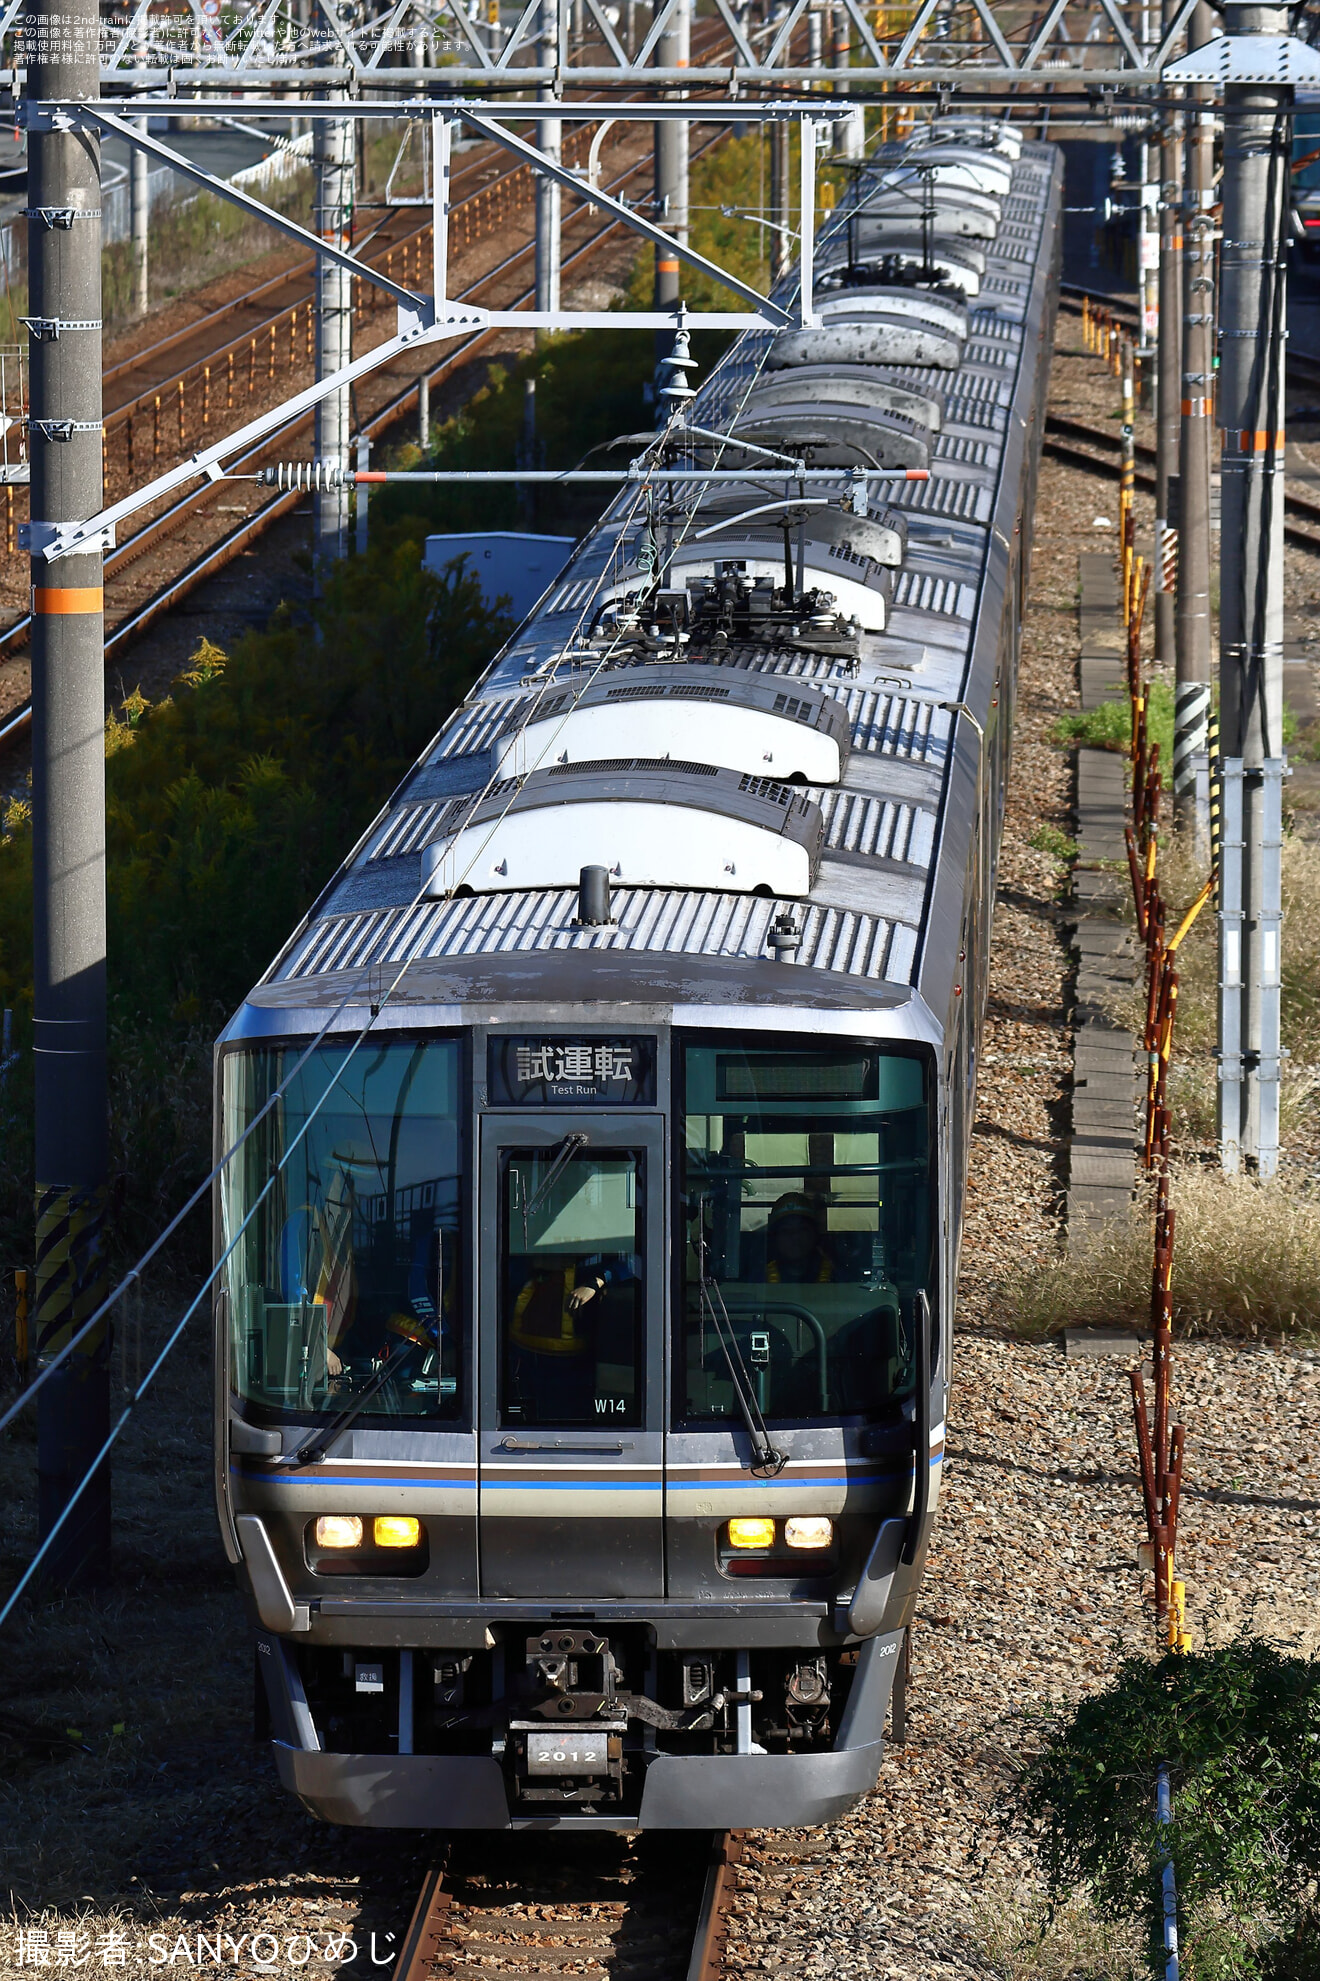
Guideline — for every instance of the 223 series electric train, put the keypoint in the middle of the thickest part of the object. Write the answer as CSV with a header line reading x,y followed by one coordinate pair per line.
x,y
585,1324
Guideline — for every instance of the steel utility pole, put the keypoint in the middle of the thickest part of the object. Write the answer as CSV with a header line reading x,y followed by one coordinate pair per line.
x,y
781,165
1253,265
549,135
850,129
61,51
1167,381
332,155
672,51
1191,793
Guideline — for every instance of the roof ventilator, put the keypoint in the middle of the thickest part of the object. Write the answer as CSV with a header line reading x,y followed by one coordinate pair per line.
x,y
785,937
594,899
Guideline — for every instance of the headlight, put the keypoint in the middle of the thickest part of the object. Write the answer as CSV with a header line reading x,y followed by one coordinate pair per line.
x,y
751,1533
338,1530
396,1530
808,1530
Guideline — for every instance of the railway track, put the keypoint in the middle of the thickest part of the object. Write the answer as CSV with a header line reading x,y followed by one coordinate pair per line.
x,y
1081,445
192,509
648,1908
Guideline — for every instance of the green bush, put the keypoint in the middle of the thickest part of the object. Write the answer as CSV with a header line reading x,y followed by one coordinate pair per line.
x,y
1239,1730
229,806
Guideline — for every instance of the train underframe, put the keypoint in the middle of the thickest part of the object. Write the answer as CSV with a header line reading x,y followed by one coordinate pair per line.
x,y
581,1724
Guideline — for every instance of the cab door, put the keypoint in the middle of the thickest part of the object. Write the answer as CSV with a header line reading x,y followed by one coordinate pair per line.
x,y
571,1407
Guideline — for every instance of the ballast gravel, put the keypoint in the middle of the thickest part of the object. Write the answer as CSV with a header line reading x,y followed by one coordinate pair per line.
x,y
1033,1594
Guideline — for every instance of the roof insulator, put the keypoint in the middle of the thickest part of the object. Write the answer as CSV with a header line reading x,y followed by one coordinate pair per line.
x,y
671,387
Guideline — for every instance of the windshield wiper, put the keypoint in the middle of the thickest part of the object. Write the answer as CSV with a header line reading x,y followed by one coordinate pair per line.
x,y
767,1459
320,1442
567,1149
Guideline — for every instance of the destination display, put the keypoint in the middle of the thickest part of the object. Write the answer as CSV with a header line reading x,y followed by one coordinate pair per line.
x,y
525,1071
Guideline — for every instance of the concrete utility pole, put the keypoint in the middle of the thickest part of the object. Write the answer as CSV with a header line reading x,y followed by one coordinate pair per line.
x,y
61,50
1253,275
1191,795
140,209
671,167
332,156
549,135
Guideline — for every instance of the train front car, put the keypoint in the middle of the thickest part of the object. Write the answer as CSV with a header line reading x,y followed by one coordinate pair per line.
x,y
585,1331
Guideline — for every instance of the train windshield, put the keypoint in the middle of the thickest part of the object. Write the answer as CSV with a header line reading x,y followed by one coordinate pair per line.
x,y
571,1350
807,1229
343,1211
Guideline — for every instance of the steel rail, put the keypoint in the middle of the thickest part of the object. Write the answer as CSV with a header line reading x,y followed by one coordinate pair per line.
x,y
1065,440
273,323
430,1939
15,726
713,1920
297,270
426,1932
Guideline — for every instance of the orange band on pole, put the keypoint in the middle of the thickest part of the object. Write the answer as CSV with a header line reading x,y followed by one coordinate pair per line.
x,y
1195,408
68,598
667,267
1259,442
370,475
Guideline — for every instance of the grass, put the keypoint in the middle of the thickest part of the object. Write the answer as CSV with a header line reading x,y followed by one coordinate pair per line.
x,y
1109,726
1050,839
1029,1939
1247,1263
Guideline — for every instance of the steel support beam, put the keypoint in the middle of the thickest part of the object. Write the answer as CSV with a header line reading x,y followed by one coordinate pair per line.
x,y
1192,629
1253,262
1168,379
68,792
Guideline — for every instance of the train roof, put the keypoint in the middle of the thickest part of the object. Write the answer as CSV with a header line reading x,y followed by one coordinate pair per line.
x,y
782,760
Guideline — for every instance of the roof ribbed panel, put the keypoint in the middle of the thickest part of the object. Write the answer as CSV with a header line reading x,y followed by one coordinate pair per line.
x,y
649,921
410,828
967,501
477,727
880,827
962,449
898,725
927,594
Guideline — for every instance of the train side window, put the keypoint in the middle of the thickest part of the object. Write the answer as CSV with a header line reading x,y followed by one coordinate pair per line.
x,y
343,1211
806,1201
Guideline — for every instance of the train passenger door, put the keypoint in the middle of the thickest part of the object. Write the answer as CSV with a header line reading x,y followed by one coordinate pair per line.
x,y
570,1357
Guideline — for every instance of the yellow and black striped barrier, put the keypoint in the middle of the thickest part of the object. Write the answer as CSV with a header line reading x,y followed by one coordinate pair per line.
x,y
70,1276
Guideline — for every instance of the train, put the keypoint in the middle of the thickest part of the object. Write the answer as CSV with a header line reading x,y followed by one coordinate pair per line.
x,y
590,1230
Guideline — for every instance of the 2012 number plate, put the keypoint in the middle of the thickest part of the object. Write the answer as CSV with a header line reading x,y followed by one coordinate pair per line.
x,y
566,1752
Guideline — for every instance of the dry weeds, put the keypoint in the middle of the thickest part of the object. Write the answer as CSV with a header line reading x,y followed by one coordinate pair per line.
x,y
1248,1263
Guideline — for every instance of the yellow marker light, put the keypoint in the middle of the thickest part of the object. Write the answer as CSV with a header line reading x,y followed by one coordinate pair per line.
x,y
396,1530
809,1530
751,1533
338,1530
